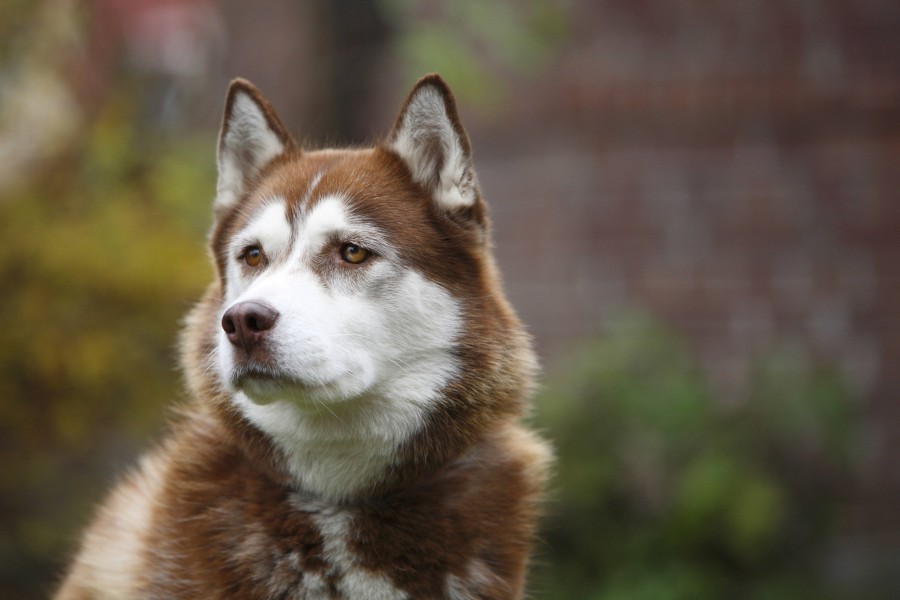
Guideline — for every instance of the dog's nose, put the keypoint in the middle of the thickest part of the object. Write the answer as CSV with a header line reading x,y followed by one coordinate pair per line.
x,y
246,323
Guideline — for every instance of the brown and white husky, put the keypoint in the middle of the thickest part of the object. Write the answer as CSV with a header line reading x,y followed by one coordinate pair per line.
x,y
358,379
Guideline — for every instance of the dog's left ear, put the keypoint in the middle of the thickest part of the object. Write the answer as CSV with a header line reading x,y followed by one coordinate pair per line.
x,y
430,139
251,136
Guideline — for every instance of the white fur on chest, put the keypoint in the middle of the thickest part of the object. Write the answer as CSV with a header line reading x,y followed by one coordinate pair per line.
x,y
353,580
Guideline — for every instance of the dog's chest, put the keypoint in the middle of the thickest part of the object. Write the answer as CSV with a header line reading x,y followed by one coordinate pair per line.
x,y
320,551
310,554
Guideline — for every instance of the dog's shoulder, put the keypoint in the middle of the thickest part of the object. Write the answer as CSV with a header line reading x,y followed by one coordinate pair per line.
x,y
112,556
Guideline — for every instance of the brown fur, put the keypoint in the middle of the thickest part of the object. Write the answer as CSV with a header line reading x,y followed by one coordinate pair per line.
x,y
212,513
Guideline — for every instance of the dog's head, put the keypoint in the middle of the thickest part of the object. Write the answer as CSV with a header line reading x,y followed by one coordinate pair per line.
x,y
355,287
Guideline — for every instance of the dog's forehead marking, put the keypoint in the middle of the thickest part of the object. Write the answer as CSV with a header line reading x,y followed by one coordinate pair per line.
x,y
325,217
270,227
311,188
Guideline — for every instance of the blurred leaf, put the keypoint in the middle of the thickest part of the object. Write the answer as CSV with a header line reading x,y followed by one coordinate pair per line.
x,y
755,517
477,46
434,48
672,581
806,405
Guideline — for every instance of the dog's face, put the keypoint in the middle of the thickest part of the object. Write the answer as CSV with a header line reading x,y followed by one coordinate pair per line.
x,y
344,271
327,298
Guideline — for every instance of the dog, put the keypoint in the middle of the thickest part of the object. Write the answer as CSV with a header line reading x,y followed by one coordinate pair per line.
x,y
357,382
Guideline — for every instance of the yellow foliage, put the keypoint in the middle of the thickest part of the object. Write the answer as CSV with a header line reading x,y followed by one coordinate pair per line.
x,y
102,254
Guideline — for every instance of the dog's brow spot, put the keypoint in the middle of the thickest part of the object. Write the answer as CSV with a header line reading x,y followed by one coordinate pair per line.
x,y
327,217
271,228
311,189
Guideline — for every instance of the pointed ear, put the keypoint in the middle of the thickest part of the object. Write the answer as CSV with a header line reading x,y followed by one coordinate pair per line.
x,y
430,139
250,137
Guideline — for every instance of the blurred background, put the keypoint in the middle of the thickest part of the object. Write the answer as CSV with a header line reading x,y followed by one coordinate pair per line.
x,y
696,212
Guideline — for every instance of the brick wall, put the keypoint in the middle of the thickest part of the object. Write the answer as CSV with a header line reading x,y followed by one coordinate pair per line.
x,y
733,167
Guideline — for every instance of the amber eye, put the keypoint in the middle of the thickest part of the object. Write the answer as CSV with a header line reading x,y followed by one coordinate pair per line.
x,y
354,254
253,256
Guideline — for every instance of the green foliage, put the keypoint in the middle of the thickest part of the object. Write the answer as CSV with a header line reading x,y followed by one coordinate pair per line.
x,y
15,16
663,493
101,255
474,44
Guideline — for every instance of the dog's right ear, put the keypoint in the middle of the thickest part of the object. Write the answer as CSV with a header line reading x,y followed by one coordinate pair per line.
x,y
251,136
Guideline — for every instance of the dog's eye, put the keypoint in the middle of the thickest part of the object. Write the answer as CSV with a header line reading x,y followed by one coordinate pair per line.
x,y
253,256
354,254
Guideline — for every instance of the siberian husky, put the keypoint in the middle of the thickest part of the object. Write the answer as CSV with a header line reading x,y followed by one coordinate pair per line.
x,y
357,377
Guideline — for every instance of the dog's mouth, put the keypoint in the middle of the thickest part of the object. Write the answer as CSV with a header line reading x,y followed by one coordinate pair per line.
x,y
258,380
264,384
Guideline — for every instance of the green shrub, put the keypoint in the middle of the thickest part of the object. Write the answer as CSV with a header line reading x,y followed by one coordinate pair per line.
x,y
665,492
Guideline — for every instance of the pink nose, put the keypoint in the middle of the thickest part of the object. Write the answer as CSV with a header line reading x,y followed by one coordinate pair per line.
x,y
246,323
